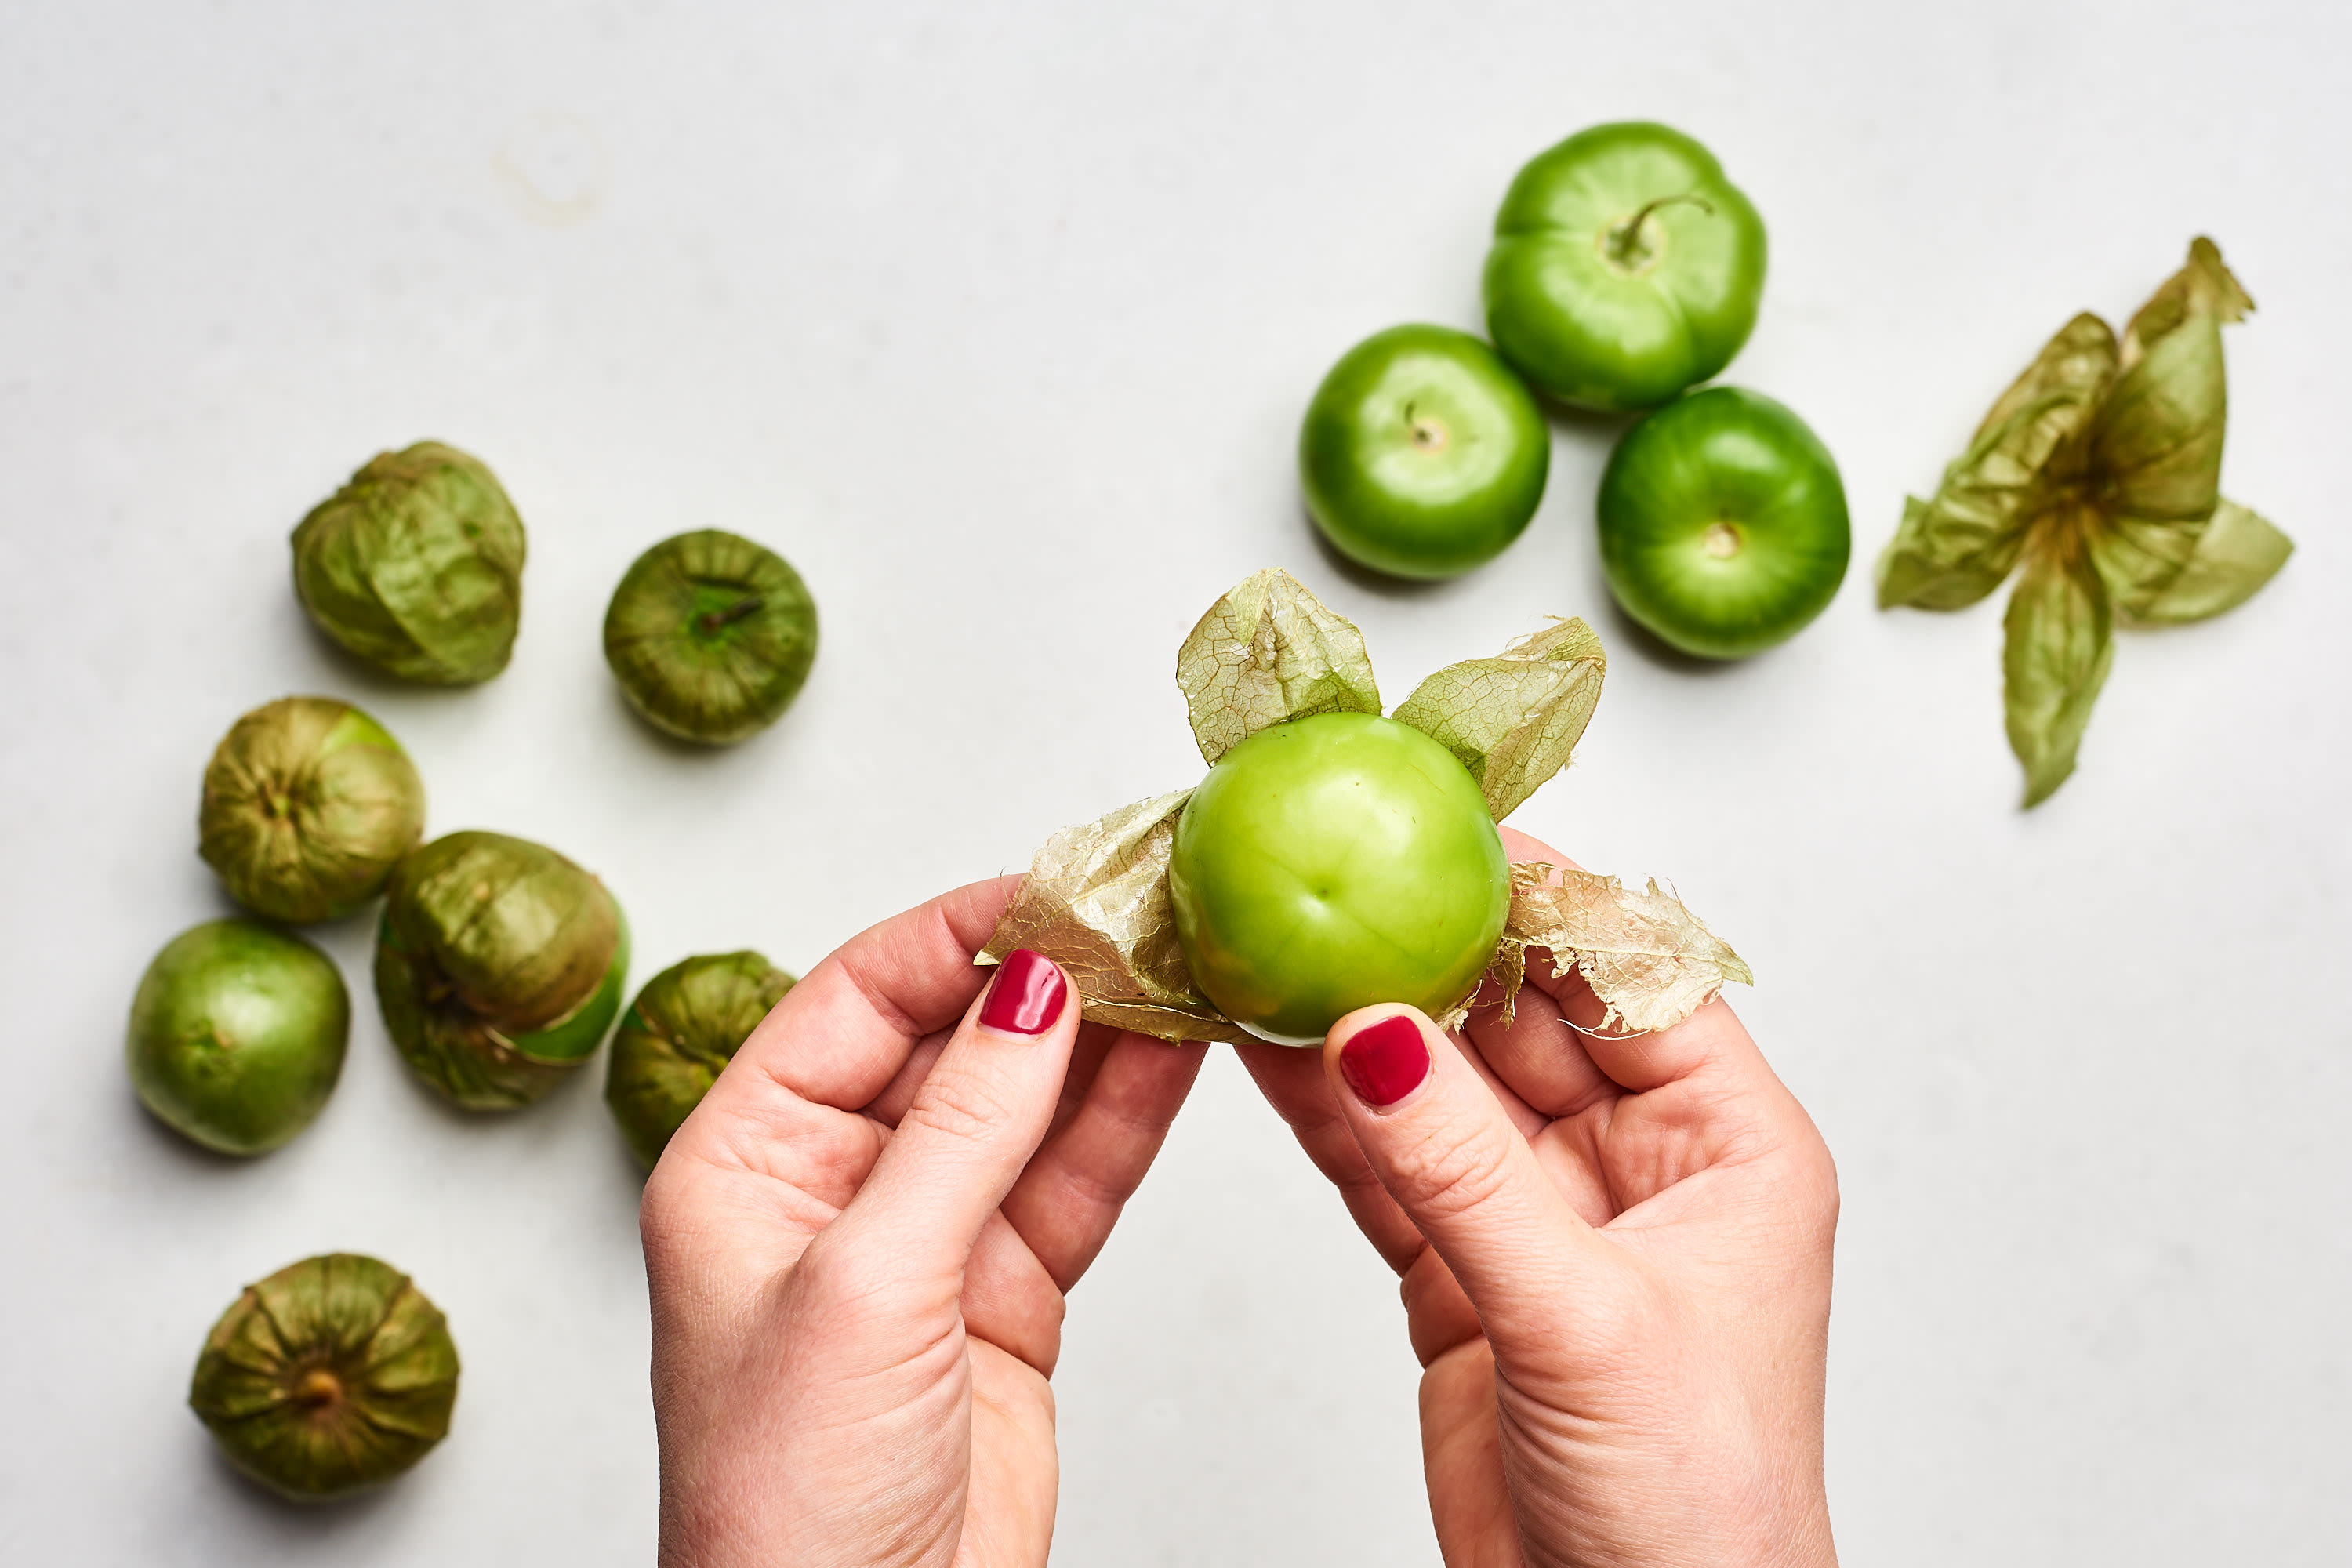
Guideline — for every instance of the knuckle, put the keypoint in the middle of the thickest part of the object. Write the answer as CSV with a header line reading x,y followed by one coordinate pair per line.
x,y
956,1105
1451,1171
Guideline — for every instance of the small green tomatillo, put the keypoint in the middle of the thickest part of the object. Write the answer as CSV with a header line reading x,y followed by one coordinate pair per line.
x,y
679,1036
308,805
499,966
1625,268
1331,862
1722,523
415,566
710,636
1422,455
238,1035
332,1375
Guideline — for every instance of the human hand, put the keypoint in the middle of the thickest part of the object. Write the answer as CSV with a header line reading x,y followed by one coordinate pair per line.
x,y
858,1247
1615,1254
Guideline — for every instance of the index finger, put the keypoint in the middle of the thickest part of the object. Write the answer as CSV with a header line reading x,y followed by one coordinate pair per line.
x,y
841,1035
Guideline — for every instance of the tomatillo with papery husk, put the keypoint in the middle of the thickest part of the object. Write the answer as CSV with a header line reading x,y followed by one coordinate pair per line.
x,y
238,1035
710,636
415,566
499,966
332,1375
679,1036
308,806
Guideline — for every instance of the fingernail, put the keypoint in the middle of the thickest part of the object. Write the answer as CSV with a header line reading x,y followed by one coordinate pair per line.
x,y
1025,997
1385,1062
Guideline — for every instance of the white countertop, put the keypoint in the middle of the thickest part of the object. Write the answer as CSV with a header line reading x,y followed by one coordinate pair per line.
x,y
999,326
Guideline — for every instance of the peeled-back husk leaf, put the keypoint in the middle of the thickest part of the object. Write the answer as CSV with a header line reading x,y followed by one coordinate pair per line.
x,y
1267,653
1514,719
2059,645
2171,574
1648,960
331,1376
2156,447
1954,548
1095,903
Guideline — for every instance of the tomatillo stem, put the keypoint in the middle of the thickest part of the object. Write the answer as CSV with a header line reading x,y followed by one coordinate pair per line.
x,y
1623,246
750,604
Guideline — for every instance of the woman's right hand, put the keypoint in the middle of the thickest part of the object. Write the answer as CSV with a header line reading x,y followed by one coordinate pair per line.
x,y
1615,1253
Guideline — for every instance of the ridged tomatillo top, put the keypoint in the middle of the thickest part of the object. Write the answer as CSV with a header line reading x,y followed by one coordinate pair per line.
x,y
333,1375
308,805
711,635
415,566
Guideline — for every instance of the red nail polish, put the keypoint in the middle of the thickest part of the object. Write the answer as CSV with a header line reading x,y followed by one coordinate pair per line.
x,y
1384,1062
1025,997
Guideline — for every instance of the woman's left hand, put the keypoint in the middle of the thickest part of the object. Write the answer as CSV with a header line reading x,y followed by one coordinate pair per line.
x,y
859,1243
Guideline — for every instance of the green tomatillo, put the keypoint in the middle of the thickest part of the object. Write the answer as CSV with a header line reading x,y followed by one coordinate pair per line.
x,y
1625,268
500,965
415,566
710,636
1722,523
331,1376
1331,862
236,1035
308,805
1422,455
679,1036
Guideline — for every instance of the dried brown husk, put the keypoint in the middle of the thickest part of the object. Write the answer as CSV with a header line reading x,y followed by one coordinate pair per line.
x,y
333,1375
308,805
1096,900
2100,469
1647,959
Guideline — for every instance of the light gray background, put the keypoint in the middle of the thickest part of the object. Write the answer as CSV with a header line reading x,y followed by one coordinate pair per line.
x,y
998,321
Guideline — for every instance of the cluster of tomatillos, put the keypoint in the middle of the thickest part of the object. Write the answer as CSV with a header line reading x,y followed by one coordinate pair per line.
x,y
501,965
1626,270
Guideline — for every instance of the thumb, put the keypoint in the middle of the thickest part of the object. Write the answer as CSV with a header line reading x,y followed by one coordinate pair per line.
x,y
967,1135
1447,1150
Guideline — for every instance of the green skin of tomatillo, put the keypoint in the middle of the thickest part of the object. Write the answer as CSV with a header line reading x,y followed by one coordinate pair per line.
x,y
1422,455
238,1035
1722,523
1625,268
1331,863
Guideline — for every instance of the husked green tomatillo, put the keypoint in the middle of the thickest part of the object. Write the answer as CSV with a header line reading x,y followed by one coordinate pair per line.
x,y
333,1375
415,566
308,805
238,1035
679,1036
499,966
710,636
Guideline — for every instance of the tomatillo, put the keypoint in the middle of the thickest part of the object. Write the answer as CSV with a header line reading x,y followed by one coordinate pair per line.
x,y
238,1035
1722,523
1421,454
1625,268
1332,862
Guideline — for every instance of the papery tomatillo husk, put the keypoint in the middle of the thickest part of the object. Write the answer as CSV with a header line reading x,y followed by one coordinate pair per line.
x,y
333,1375
308,805
238,1035
679,1036
710,636
499,966
415,566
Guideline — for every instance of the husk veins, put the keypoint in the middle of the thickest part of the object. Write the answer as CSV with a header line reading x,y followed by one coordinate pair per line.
x,y
1095,898
2099,469
333,1375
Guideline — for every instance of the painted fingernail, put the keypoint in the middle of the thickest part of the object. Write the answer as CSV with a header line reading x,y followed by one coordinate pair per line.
x,y
1025,997
1385,1062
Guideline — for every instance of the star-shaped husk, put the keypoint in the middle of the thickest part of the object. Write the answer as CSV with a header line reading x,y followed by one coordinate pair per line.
x,y
2100,469
1095,898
